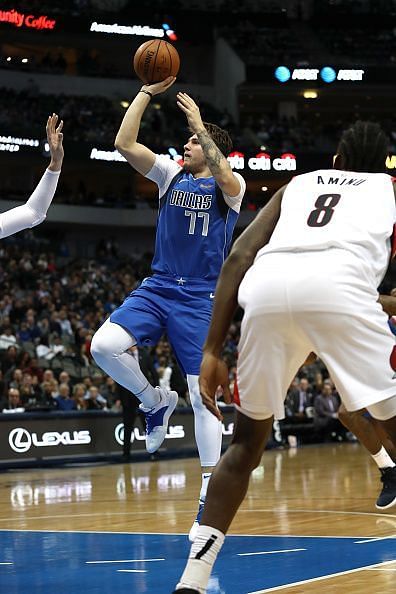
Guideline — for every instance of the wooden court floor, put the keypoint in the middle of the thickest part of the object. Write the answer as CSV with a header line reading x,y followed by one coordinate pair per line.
x,y
315,491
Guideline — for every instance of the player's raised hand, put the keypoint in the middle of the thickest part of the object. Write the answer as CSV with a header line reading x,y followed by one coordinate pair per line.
x,y
214,373
192,112
159,87
55,141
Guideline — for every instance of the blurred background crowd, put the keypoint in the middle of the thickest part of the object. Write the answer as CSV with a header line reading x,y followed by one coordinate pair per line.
x,y
51,305
59,283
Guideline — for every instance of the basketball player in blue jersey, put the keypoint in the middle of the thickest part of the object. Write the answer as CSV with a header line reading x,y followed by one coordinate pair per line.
x,y
199,205
34,211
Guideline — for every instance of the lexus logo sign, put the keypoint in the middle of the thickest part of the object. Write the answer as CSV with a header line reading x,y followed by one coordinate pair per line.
x,y
119,434
21,440
174,432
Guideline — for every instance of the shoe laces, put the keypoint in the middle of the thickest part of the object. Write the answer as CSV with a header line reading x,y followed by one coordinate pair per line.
x,y
154,418
150,421
388,477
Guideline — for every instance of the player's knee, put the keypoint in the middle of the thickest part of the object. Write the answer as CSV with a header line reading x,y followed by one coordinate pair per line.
x,y
100,349
244,457
249,441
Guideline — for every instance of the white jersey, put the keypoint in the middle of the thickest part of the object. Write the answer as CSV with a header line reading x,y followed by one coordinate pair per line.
x,y
338,209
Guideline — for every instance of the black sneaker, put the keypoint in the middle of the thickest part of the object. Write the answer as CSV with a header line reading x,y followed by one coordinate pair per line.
x,y
387,497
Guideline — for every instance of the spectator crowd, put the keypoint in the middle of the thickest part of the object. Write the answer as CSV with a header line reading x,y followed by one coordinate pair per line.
x,y
51,304
50,307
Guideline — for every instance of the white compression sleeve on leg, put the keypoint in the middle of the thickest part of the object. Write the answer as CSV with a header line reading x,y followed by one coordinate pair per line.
x,y
208,432
34,211
109,348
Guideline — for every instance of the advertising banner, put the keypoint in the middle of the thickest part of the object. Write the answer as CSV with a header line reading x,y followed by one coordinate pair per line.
x,y
38,437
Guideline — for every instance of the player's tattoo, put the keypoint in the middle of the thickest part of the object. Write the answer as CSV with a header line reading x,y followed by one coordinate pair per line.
x,y
213,155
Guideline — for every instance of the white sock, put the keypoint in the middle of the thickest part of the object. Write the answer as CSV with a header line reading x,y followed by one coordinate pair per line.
x,y
204,486
203,553
382,459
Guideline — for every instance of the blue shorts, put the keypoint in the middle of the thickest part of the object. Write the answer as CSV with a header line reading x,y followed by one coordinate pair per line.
x,y
165,304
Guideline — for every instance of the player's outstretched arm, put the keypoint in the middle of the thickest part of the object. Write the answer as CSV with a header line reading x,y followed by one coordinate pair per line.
x,y
255,236
35,210
217,163
139,156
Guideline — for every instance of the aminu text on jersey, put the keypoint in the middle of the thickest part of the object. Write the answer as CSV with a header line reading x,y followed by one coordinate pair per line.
x,y
338,209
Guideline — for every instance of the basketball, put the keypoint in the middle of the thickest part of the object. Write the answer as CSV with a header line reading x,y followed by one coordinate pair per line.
x,y
155,60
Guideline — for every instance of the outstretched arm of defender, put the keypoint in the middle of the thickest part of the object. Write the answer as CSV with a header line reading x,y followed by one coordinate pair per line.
x,y
217,163
35,210
139,156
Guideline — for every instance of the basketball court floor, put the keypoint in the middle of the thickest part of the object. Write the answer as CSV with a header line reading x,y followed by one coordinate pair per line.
x,y
308,525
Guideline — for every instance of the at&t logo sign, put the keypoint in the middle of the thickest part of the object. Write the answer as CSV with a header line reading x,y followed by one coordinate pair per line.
x,y
21,440
328,74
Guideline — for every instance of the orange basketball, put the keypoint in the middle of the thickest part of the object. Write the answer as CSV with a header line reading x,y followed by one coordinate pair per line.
x,y
155,60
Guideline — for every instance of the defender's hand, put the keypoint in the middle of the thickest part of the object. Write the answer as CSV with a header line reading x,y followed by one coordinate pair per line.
x,y
55,141
214,373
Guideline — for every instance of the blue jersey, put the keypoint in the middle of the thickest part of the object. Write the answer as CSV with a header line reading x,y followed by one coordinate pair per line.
x,y
194,228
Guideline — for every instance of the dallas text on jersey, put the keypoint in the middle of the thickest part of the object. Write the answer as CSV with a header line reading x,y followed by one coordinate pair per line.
x,y
191,200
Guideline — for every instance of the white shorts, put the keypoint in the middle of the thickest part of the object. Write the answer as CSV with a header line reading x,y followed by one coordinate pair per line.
x,y
296,303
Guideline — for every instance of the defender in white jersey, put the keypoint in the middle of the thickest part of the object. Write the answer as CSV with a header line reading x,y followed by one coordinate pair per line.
x,y
306,272
34,211
199,205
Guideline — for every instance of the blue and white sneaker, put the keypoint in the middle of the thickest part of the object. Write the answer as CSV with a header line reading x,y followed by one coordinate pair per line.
x,y
194,528
157,418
